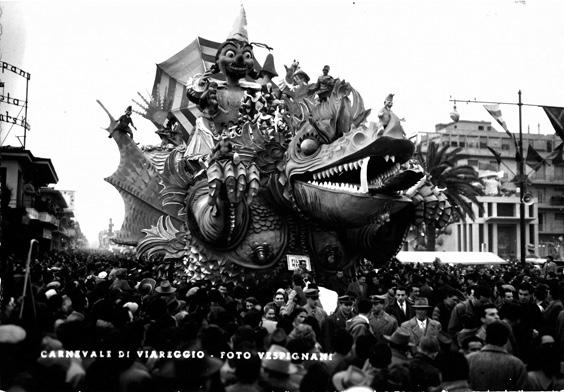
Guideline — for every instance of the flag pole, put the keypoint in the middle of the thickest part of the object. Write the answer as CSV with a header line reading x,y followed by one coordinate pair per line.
x,y
522,185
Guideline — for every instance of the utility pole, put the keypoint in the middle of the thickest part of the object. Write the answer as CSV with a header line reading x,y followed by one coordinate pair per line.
x,y
520,158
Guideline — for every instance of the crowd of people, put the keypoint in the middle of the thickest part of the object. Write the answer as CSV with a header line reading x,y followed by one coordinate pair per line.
x,y
92,321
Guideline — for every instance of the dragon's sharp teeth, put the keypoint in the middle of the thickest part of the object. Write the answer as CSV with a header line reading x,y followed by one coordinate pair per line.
x,y
364,175
386,157
392,158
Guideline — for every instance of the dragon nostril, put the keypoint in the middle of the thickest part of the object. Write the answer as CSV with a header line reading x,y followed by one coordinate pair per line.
x,y
359,138
309,146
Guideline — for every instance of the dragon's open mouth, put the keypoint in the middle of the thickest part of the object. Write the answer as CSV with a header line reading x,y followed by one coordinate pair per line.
x,y
370,175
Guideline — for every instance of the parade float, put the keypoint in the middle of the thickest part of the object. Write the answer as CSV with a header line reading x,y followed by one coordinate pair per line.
x,y
253,167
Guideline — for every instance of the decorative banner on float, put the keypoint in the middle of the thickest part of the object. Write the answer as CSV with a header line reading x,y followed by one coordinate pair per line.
x,y
298,261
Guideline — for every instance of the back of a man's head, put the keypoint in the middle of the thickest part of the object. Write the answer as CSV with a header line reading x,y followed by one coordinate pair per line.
x,y
453,366
342,342
380,356
429,345
363,345
497,334
482,291
364,306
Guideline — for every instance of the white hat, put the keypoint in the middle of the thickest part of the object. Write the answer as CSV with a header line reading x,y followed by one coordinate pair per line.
x,y
280,362
132,306
11,334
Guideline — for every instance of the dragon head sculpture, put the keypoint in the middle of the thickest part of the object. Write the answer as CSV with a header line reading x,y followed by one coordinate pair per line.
x,y
344,173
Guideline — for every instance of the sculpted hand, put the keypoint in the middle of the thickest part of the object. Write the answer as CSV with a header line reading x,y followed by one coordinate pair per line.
x,y
232,180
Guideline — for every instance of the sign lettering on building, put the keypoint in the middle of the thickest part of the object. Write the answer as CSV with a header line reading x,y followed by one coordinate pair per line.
x,y
14,69
6,116
21,121
11,100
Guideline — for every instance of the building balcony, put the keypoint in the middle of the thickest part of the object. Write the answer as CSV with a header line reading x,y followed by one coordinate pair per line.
x,y
506,219
49,219
546,180
550,230
45,217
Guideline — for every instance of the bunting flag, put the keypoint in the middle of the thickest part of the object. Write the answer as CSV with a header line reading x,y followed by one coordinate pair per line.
x,y
556,157
534,159
496,154
556,117
495,112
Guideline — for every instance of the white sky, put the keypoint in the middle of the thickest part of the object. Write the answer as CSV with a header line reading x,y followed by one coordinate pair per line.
x,y
423,51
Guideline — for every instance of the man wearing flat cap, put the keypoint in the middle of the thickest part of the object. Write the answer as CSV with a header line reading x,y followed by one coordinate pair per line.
x,y
311,306
421,325
381,323
337,321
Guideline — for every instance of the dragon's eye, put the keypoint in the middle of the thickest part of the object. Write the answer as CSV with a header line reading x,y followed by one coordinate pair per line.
x,y
230,54
248,55
309,146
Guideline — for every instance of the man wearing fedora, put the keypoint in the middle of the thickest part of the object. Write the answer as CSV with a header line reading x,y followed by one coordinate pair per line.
x,y
277,371
165,288
381,323
352,377
400,346
421,325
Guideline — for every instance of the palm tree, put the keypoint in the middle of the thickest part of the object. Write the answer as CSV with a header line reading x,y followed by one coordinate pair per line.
x,y
460,183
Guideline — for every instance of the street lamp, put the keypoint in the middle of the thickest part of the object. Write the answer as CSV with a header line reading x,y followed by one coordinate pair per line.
x,y
519,156
454,115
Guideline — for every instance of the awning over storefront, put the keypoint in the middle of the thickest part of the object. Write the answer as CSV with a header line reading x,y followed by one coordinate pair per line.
x,y
535,260
450,257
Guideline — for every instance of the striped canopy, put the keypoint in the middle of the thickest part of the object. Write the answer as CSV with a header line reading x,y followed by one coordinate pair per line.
x,y
172,75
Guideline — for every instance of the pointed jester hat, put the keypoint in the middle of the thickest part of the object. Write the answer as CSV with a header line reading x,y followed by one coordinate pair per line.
x,y
268,66
239,29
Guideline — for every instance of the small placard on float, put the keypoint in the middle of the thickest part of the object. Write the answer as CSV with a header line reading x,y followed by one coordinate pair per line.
x,y
298,261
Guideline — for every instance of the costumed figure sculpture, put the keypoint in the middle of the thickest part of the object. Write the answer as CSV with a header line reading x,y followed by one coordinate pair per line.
x,y
123,124
324,84
306,176
385,114
169,133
